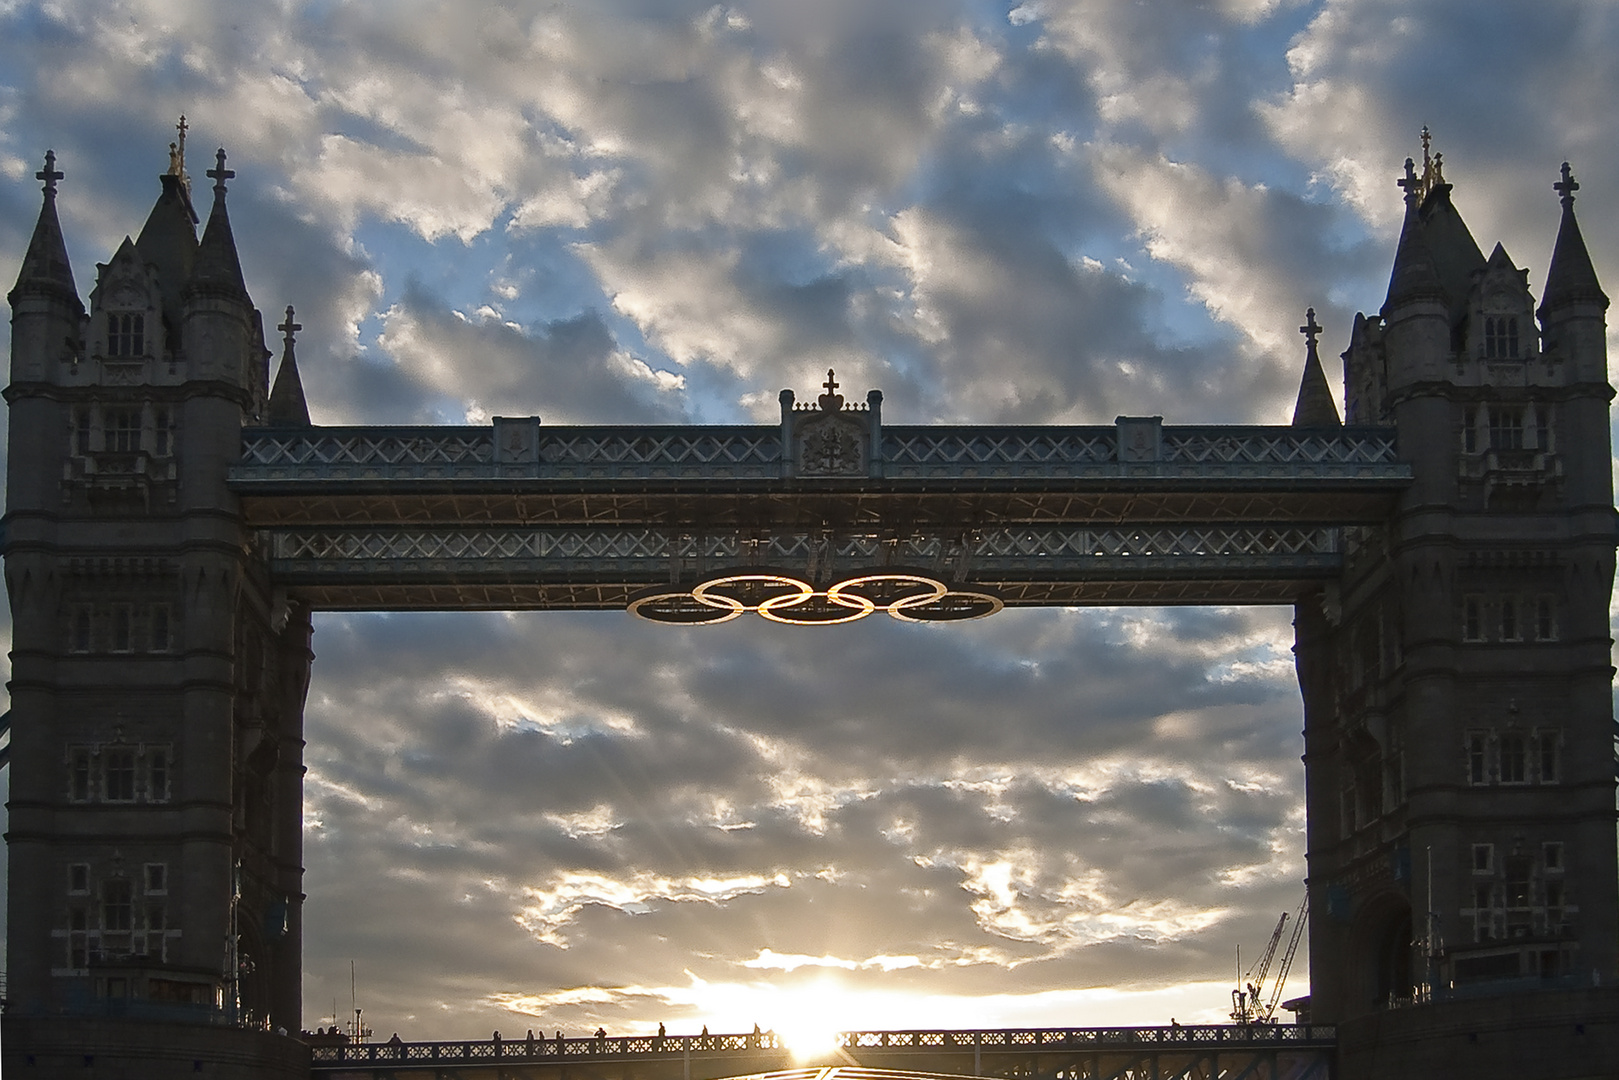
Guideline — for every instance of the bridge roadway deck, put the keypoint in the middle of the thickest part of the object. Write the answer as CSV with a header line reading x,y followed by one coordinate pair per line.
x,y
513,516
1182,1052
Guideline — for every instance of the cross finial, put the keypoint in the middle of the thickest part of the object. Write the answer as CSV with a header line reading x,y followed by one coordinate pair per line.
x,y
289,328
1427,138
1409,181
1311,329
49,174
1567,186
831,401
219,173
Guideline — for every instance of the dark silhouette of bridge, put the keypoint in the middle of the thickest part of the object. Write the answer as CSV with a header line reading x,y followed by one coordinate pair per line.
x,y
1258,1051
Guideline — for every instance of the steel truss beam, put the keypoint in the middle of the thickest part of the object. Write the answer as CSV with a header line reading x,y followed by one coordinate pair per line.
x,y
601,567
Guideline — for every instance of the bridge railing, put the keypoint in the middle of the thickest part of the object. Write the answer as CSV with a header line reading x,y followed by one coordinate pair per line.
x,y
1001,1040
611,452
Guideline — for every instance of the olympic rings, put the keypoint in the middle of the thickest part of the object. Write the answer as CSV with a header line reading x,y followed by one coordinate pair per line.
x,y
907,594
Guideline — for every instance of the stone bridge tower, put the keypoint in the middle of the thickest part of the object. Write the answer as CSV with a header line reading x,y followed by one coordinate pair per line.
x,y
1457,685
158,680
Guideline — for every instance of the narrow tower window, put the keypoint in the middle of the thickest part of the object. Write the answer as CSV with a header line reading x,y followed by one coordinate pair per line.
x,y
121,637
157,774
157,638
1547,757
79,639
1506,427
78,937
1501,337
1478,761
119,775
81,431
80,770
121,431
1509,619
126,335
162,432
1513,758
1545,618
116,908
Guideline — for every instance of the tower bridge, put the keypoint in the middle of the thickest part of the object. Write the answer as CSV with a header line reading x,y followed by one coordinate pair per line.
x,y
173,519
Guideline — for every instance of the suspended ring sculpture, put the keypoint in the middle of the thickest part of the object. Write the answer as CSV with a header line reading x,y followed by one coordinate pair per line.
x,y
905,593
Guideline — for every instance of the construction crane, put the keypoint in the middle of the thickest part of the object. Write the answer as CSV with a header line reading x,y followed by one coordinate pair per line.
x,y
1249,1004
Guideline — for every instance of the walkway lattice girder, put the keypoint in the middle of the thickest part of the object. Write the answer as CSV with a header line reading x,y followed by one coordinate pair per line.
x,y
603,567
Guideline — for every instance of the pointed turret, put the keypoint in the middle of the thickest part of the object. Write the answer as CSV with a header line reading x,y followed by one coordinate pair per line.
x,y
217,267
47,316
168,241
1314,407
1414,276
45,268
288,408
1571,279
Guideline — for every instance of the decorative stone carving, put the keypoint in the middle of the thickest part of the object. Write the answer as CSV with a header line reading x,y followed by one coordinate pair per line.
x,y
830,438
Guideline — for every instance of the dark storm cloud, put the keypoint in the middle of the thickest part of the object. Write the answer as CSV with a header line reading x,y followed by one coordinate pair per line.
x,y
569,370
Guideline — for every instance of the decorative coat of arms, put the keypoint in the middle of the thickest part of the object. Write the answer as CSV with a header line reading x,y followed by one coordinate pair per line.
x,y
831,440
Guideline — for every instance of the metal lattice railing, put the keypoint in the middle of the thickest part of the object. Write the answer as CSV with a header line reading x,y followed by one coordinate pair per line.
x,y
369,446
767,1044
999,446
1267,446
986,548
718,452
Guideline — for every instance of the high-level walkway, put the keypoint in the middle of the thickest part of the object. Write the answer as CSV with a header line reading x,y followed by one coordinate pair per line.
x,y
516,515
1180,1052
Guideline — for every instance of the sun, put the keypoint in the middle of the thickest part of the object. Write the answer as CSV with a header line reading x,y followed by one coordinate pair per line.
x,y
808,1020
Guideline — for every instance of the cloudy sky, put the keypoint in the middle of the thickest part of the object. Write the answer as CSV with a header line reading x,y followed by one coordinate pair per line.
x,y
667,211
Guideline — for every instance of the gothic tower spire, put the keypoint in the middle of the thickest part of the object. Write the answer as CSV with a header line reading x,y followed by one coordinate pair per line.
x,y
1314,407
287,404
218,267
1571,279
45,268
